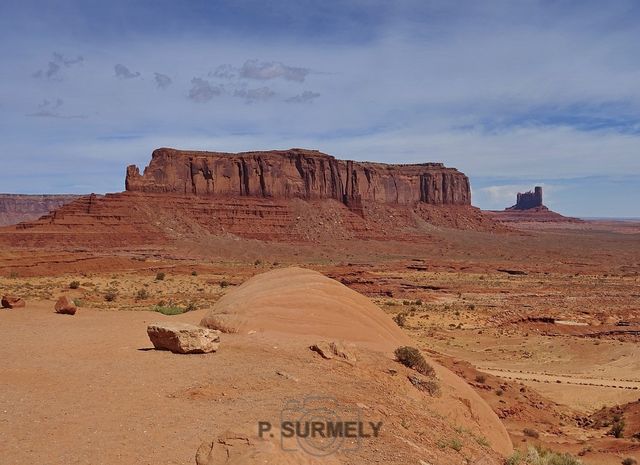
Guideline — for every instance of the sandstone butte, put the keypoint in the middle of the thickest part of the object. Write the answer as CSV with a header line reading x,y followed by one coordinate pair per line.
x,y
298,173
294,195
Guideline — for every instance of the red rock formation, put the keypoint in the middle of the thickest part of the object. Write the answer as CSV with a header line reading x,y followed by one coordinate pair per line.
x,y
15,208
527,200
298,173
289,196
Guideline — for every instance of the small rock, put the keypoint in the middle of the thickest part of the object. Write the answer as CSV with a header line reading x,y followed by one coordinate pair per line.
x,y
11,301
65,306
284,374
333,349
183,338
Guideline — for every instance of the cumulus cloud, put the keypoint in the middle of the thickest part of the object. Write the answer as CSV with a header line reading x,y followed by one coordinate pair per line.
x,y
202,91
225,71
53,68
305,97
162,80
255,95
122,72
51,109
265,70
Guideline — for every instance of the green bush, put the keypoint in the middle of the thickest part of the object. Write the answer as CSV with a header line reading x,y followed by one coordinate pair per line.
x,y
169,309
194,273
74,284
160,276
412,358
224,284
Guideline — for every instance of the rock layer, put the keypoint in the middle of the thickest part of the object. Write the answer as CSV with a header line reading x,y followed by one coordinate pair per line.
x,y
15,208
298,173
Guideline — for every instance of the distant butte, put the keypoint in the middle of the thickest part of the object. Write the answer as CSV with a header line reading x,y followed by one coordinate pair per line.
x,y
529,207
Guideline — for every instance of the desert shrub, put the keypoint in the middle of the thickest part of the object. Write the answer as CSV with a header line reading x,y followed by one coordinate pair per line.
x,y
142,294
629,461
194,273
224,284
530,432
418,302
13,274
481,378
258,262
168,309
160,276
617,429
412,358
191,306
78,302
74,284
400,319
539,456
499,392
483,441
455,444
110,295
430,386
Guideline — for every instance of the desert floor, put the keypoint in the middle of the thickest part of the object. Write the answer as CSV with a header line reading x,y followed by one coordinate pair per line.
x,y
544,323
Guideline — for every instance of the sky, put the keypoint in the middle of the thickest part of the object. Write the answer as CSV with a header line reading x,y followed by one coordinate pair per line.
x,y
513,93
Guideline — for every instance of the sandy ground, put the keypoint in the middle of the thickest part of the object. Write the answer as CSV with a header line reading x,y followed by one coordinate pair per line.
x,y
87,390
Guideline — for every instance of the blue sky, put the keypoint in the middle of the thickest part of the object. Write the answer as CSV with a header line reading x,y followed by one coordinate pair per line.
x,y
515,94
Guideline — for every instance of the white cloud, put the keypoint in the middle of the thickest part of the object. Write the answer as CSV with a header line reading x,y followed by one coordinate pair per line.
x,y
162,80
202,91
253,69
123,72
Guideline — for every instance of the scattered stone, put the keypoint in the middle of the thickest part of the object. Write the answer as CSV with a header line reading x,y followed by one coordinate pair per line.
x,y
65,306
512,272
183,338
330,350
284,374
11,301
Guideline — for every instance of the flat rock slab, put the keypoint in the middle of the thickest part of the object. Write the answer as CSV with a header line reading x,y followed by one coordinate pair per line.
x,y
10,301
183,338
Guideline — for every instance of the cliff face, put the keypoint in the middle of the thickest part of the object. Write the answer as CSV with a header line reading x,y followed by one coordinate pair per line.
x,y
298,173
15,208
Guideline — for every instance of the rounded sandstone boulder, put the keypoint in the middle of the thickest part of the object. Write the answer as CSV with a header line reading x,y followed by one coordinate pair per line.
x,y
11,301
65,306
